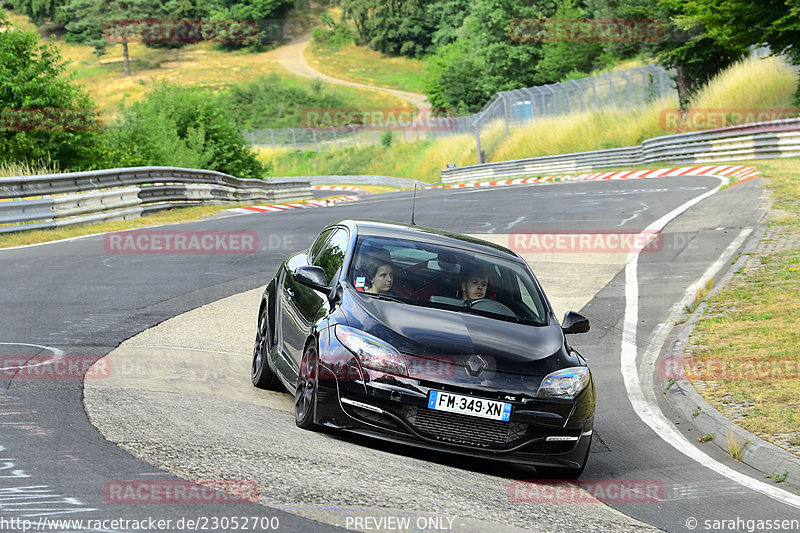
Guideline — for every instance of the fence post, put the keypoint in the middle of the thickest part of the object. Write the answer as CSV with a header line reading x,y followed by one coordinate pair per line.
x,y
372,129
478,143
355,141
314,134
252,138
580,89
555,99
627,86
333,129
610,89
532,96
273,138
294,138
505,112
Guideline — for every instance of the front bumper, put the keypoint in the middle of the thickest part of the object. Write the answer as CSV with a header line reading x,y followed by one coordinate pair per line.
x,y
539,433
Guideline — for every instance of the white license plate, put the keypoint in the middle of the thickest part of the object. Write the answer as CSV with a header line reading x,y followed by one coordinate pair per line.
x,y
468,405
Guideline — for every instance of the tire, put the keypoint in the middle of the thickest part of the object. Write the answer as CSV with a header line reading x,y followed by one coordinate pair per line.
x,y
305,396
260,373
553,472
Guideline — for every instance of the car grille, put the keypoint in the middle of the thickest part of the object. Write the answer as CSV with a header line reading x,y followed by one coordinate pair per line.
x,y
463,429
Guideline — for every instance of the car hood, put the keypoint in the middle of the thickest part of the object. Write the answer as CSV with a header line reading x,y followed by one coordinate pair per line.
x,y
454,336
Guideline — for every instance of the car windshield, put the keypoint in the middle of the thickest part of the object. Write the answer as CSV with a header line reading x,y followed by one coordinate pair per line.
x,y
446,277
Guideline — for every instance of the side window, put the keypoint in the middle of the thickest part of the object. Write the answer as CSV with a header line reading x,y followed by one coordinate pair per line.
x,y
317,246
331,256
528,299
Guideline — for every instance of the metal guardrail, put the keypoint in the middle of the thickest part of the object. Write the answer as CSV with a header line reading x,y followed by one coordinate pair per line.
x,y
358,179
760,140
55,200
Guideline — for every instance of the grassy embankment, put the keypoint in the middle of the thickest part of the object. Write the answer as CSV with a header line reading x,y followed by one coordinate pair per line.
x,y
746,347
192,65
751,84
361,64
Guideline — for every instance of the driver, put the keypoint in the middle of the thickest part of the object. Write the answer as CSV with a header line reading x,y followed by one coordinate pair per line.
x,y
474,285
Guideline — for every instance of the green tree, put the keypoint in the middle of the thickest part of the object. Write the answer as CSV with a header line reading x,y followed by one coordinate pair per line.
x,y
398,27
695,54
568,57
39,11
737,24
489,55
181,126
43,116
87,20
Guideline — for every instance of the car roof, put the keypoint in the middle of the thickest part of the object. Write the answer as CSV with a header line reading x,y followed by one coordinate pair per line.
x,y
382,228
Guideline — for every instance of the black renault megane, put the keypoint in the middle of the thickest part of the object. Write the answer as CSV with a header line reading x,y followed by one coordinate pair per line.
x,y
427,338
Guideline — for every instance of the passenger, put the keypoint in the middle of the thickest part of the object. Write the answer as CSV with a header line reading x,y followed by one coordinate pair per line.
x,y
474,285
379,275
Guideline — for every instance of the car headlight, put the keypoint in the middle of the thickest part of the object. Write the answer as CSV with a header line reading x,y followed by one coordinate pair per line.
x,y
564,384
371,351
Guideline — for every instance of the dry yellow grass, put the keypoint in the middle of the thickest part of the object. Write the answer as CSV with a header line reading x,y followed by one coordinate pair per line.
x,y
583,131
193,65
751,84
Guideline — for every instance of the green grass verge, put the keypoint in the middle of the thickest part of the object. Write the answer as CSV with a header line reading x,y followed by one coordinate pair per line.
x,y
169,216
748,337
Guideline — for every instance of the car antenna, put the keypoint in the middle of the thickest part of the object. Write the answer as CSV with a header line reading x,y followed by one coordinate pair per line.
x,y
413,205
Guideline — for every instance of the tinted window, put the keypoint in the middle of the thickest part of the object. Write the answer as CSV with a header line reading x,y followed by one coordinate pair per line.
x,y
437,276
331,256
313,252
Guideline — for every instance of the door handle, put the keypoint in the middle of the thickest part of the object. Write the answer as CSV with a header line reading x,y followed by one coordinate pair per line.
x,y
290,292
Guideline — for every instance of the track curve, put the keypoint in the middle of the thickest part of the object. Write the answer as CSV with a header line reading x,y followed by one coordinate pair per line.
x,y
78,298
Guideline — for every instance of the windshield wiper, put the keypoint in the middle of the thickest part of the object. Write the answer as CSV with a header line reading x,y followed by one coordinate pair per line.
x,y
381,296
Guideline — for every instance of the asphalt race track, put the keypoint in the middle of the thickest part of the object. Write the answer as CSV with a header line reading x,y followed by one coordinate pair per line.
x,y
176,403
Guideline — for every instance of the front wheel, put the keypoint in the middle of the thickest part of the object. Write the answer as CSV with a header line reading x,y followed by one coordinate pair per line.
x,y
260,373
305,396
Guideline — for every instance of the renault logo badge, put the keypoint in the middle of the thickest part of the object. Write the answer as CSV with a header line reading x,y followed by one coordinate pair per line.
x,y
475,364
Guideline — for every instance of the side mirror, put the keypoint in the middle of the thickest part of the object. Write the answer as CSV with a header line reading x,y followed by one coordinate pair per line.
x,y
311,276
574,323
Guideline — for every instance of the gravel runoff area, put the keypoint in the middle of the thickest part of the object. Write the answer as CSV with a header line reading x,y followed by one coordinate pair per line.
x,y
180,398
